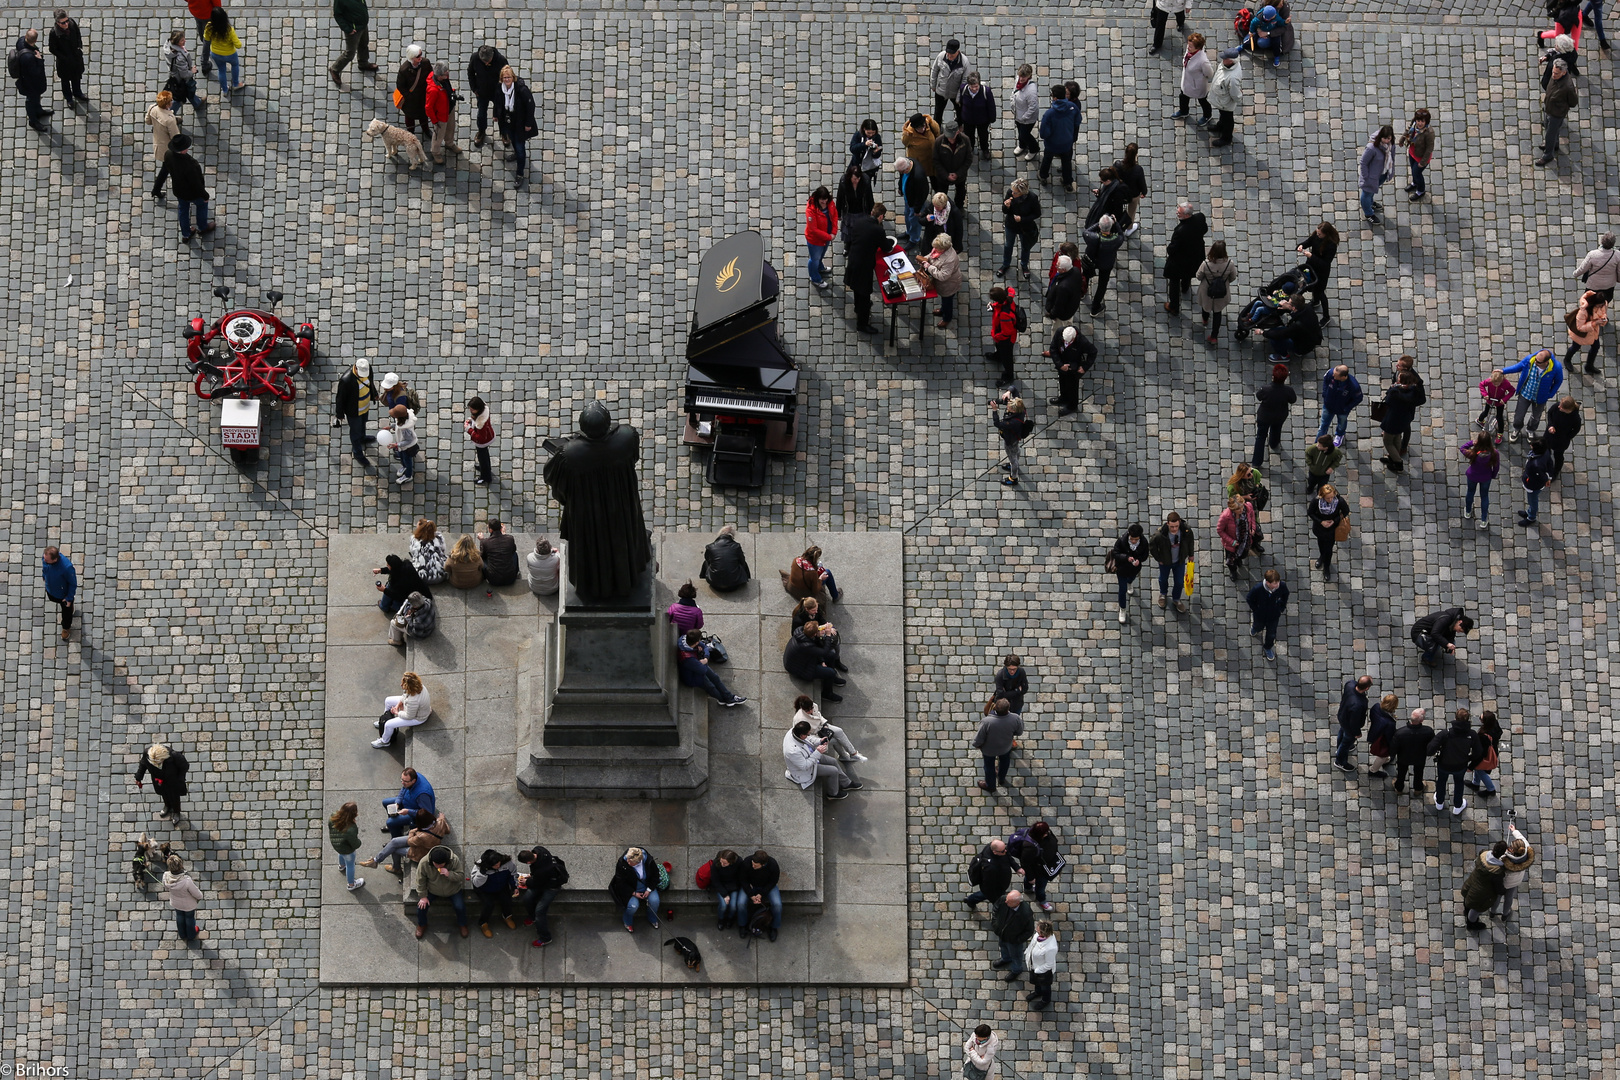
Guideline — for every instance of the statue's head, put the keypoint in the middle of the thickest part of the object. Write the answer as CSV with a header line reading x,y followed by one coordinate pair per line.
x,y
594,421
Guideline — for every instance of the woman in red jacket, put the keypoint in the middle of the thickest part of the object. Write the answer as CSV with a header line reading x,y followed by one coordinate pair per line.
x,y
441,111
820,226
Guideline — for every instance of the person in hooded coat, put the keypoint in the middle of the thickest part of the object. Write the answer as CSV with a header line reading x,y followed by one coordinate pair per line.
x,y
1184,254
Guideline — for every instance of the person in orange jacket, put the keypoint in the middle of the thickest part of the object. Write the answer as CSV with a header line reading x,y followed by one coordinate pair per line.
x,y
1003,330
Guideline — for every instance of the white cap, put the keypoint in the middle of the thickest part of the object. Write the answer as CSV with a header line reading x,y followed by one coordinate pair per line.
x,y
1065,263
390,380
1069,334
362,368
412,51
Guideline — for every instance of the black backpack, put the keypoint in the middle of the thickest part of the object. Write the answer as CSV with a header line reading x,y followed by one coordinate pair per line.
x,y
1216,289
1020,319
759,920
14,62
976,870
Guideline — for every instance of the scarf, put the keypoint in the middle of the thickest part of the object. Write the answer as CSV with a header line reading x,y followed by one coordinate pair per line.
x,y
1240,517
510,93
1325,508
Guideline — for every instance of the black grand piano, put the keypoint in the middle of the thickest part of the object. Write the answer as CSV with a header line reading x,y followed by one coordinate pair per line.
x,y
739,382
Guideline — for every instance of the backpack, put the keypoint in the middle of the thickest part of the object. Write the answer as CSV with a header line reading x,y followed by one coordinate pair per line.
x,y
14,63
560,869
976,870
759,920
663,875
1216,290
1028,429
1019,836
705,875
1245,15
1020,318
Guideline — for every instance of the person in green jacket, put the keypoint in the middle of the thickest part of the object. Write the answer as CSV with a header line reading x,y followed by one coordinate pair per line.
x,y
441,875
352,19
345,836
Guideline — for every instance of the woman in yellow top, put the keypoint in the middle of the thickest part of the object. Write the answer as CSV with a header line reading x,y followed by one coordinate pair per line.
x,y
226,46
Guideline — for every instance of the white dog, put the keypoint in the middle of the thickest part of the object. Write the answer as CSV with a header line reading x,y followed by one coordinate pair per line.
x,y
397,140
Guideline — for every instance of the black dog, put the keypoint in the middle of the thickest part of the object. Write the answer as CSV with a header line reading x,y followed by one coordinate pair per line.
x,y
688,951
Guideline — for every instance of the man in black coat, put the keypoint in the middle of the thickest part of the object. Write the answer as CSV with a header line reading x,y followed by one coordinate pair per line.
x,y
1064,293
547,875
1411,749
1299,335
1563,424
1103,241
1268,600
499,552
862,241
186,176
484,79
31,83
761,877
1072,355
1274,397
953,157
994,874
1438,631
725,567
67,45
811,660
1013,920
1353,707
352,402
1401,403
1456,750
1183,254
1171,547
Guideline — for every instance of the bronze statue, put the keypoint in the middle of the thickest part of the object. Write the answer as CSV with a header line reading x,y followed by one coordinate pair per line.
x,y
593,477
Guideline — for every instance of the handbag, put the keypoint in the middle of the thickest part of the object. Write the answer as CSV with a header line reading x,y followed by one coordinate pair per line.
x,y
399,99
1379,410
396,631
1343,531
717,648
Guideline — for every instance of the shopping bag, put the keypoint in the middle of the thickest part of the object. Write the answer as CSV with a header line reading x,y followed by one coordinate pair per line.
x,y
1187,583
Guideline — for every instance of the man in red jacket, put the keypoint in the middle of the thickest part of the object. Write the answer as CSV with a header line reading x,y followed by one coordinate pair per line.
x,y
1003,331
441,112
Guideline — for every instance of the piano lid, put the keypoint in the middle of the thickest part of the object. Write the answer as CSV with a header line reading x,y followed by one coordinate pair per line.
x,y
751,363
736,288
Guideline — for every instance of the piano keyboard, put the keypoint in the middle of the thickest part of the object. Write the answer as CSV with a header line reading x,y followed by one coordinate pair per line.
x,y
720,403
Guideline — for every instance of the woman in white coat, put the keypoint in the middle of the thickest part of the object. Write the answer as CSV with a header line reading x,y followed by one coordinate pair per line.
x,y
165,126
1040,956
403,710
979,1053
1226,94
1196,71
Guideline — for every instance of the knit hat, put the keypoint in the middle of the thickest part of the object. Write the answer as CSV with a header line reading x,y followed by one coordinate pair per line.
x,y
180,142
390,380
439,856
362,368
1065,263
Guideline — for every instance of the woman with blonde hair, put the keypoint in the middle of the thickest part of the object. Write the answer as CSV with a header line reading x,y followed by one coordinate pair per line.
x,y
427,551
1326,509
345,836
403,710
165,126
635,886
514,113
945,267
466,564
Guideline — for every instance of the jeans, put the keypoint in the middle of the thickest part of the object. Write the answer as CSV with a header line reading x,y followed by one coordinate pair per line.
x,y
407,462
229,65
1594,8
1281,338
1367,207
995,769
395,849
1454,776
1417,176
1024,242
1266,432
457,902
635,902
355,45
1328,417
818,270
1068,165
204,53
1533,408
501,899
1027,142
729,905
1483,781
347,863
832,586
185,924
773,900
1532,503
1203,103
183,209
537,904
1269,626
1012,952
1554,127
1346,745
188,96
1484,489
1417,768
712,685
947,308
1177,570
521,152
357,437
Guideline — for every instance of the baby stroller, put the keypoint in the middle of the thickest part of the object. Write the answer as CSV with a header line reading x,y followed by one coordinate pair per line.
x,y
1262,313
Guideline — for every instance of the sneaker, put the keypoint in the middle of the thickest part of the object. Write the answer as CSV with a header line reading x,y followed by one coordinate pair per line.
x,y
1415,196
1513,435
1343,767
402,480
379,743
1132,230
837,797
1439,806
537,943
859,757
1202,121
1271,654
1182,115
358,882
1122,616
733,703
1276,61
654,923
1468,514
1455,810
1046,906
856,786
1338,440
1480,524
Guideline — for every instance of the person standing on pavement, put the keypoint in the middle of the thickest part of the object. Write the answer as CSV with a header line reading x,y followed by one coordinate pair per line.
x,y
1484,885
1320,461
854,197
1411,746
1239,530
184,896
352,402
1014,428
1375,169
1072,355
182,81
1340,393
1014,924
1064,292
1021,214
484,80
1059,126
353,20
67,46
1353,706
1401,403
1495,392
1172,547
1184,254
480,428
1600,270
1275,397
1327,510
412,84
1381,729
1484,463
1102,249
1011,683
1040,957
946,77
917,139
1133,178
820,226
1563,424
995,739
1319,249
186,175
991,871
1215,276
441,112
1586,325
1125,562
1159,13
979,1053
1004,341
168,768
1226,95
344,833
912,187
1538,470
61,584
944,265
978,113
1490,741
1419,143
31,81
862,242
1268,600
953,157
1540,376
1196,71
1557,100
514,114
1027,113
227,49
165,126
1515,864
1455,750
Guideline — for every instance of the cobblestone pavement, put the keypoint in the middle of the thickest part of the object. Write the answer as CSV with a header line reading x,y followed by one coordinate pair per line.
x,y
1234,908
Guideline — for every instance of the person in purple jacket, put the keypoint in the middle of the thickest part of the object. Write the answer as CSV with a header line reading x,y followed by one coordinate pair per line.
x,y
1483,464
684,612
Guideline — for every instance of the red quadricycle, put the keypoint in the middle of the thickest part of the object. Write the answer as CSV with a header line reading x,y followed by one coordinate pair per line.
x,y
233,358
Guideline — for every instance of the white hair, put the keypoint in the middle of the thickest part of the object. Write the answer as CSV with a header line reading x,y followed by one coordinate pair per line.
x,y
1065,263
1069,334
1184,207
412,51
902,164
1105,223
1564,43
1560,68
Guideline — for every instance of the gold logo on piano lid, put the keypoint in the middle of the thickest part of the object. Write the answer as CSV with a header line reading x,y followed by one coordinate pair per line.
x,y
727,279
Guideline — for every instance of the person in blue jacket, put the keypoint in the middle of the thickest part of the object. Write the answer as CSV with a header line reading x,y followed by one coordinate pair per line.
x,y
1540,376
1266,32
61,585
1268,600
415,793
1059,127
1340,393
